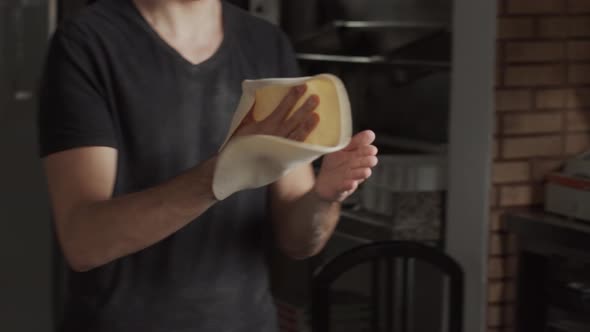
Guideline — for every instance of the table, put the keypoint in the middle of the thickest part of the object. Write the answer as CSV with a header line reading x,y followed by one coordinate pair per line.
x,y
544,237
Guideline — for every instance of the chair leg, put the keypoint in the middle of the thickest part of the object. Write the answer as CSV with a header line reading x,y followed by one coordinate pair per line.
x,y
376,302
410,293
390,314
404,300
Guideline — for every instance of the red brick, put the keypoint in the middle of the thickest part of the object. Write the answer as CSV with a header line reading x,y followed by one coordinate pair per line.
x,y
578,120
578,98
532,123
499,267
551,98
513,100
500,316
501,9
578,6
525,147
578,49
577,143
534,51
495,315
495,149
543,167
564,26
506,172
535,75
501,291
502,244
535,6
499,53
509,318
496,222
579,26
496,268
512,28
554,27
579,73
493,196
520,195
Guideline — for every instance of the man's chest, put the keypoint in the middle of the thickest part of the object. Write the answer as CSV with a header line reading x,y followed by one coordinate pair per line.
x,y
176,114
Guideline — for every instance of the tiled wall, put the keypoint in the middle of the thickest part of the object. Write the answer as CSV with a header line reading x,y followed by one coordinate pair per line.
x,y
542,118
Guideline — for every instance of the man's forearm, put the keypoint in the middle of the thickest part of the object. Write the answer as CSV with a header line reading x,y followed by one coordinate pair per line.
x,y
99,232
305,226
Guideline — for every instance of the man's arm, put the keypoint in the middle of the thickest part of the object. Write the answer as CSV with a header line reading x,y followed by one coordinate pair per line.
x,y
93,228
303,221
304,210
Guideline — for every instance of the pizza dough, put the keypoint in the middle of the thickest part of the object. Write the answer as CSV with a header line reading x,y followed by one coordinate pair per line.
x,y
327,132
257,160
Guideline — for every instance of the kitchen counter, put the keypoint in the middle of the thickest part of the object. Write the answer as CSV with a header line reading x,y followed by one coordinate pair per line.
x,y
553,286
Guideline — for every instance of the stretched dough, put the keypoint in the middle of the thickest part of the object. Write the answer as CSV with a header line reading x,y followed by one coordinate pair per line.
x,y
327,132
257,160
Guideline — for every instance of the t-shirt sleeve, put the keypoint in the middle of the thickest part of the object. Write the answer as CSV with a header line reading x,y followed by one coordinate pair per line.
x,y
287,60
73,109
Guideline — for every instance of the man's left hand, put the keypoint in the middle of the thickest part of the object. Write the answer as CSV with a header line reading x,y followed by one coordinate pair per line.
x,y
344,170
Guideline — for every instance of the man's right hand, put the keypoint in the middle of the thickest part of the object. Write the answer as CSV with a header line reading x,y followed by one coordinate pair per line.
x,y
296,127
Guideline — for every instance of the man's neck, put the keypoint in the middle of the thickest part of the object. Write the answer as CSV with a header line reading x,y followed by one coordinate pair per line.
x,y
193,27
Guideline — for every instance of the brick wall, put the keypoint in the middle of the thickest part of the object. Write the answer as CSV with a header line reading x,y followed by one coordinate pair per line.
x,y
542,118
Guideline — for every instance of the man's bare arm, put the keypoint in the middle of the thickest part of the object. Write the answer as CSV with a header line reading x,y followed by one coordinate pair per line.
x,y
93,228
303,222
305,211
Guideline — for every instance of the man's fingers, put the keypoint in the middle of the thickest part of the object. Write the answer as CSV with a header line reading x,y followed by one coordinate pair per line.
x,y
305,128
249,118
363,138
366,150
368,161
348,186
359,173
248,124
287,104
300,115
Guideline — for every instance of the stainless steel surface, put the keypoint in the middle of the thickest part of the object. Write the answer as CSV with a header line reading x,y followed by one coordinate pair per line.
x,y
376,59
428,10
395,43
390,24
340,58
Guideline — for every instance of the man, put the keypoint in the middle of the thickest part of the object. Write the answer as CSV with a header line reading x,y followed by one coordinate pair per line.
x,y
137,98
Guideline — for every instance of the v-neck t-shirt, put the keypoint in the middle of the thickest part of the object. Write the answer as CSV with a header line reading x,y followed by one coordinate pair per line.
x,y
111,80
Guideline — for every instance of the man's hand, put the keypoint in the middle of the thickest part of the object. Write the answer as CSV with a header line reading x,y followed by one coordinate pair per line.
x,y
344,170
296,127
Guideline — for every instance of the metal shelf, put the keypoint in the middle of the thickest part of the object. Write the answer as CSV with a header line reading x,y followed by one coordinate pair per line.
x,y
377,59
392,43
391,24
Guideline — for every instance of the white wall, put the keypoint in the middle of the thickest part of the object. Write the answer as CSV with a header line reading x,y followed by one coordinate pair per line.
x,y
471,127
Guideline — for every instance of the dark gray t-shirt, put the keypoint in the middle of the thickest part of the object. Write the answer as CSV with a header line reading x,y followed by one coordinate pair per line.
x,y
110,80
